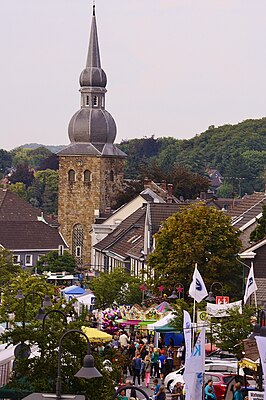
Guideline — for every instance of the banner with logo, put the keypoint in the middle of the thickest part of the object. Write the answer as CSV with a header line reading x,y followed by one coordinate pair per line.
x,y
194,368
251,286
187,333
197,288
221,310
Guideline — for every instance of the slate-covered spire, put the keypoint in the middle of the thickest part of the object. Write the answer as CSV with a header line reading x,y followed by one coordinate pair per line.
x,y
93,59
92,129
93,74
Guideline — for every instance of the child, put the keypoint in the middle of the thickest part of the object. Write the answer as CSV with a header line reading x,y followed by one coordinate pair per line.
x,y
147,369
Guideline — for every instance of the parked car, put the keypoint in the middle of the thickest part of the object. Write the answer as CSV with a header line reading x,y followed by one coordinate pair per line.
x,y
210,365
221,355
221,381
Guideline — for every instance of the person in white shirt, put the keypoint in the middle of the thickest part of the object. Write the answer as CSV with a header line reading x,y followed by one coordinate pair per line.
x,y
123,340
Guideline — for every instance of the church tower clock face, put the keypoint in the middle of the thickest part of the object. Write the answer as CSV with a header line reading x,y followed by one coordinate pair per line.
x,y
91,166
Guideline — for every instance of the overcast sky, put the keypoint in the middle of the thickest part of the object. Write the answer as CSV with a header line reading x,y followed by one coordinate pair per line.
x,y
174,67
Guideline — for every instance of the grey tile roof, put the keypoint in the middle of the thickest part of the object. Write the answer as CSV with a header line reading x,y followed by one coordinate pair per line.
x,y
160,212
136,219
248,210
23,235
14,208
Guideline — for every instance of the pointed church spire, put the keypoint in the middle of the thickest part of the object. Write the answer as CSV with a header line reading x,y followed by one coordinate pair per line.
x,y
93,59
93,75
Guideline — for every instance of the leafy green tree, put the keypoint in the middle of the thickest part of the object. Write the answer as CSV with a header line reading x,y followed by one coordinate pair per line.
x,y
39,373
54,262
7,268
37,156
43,192
32,157
259,232
20,156
118,287
22,174
229,332
20,189
202,235
23,280
5,160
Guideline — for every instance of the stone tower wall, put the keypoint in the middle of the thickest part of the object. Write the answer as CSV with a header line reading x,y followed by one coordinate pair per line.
x,y
79,202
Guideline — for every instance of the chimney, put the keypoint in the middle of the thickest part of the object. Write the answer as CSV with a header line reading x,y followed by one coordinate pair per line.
x,y
147,183
163,185
170,193
107,210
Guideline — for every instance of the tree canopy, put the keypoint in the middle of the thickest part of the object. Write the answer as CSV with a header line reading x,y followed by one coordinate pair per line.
x,y
202,235
118,287
54,262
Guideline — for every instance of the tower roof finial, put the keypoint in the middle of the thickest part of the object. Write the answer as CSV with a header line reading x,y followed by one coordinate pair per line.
x,y
93,8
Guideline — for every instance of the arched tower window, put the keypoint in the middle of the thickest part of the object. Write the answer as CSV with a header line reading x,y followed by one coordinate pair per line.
x,y
95,101
71,176
112,176
87,176
77,243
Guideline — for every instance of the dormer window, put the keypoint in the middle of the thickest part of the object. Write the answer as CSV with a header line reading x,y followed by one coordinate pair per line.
x,y
95,101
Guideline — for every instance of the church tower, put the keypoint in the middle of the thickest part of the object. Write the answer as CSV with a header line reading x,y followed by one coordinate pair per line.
x,y
91,167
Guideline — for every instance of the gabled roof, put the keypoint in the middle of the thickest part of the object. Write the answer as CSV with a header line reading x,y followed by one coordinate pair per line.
x,y
134,221
128,238
160,212
253,248
14,208
247,211
29,235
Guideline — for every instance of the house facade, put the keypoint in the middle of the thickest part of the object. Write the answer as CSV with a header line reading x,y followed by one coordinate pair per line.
x,y
26,232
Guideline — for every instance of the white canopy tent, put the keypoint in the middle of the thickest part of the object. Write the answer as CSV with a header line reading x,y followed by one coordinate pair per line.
x,y
163,321
86,300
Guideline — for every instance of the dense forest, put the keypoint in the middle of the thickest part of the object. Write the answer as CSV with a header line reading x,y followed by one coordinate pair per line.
x,y
238,152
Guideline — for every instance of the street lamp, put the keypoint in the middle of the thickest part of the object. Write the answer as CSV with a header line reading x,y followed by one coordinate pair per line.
x,y
45,303
88,371
211,298
45,316
180,290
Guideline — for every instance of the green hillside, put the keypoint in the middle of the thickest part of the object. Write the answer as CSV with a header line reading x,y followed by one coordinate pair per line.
x,y
237,151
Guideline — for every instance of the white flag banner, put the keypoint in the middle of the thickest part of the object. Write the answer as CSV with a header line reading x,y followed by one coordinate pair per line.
x,y
194,368
261,343
187,336
251,286
187,333
221,310
197,288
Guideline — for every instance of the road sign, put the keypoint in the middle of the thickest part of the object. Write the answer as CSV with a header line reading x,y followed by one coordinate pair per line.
x,y
222,299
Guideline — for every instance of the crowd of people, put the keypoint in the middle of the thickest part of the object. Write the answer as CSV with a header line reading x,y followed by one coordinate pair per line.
x,y
148,365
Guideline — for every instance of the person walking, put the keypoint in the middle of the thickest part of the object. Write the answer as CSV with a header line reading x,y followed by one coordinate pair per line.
x,y
155,363
209,391
136,366
237,394
147,370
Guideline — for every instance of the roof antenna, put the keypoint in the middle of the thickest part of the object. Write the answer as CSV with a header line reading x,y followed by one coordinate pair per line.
x,y
93,8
